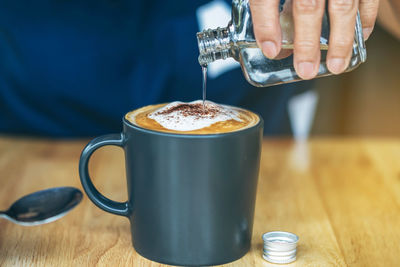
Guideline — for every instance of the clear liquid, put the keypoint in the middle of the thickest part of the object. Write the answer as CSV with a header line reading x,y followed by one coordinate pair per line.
x,y
204,71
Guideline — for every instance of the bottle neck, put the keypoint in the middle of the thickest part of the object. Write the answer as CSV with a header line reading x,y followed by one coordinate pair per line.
x,y
213,45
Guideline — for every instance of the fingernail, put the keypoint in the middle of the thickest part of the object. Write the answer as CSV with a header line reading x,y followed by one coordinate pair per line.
x,y
336,65
306,70
367,32
269,49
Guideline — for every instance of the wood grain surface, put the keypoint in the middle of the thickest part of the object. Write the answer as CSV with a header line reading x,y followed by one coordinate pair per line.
x,y
340,196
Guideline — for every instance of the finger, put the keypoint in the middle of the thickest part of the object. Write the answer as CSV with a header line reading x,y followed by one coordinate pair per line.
x,y
284,53
342,14
266,26
368,12
307,31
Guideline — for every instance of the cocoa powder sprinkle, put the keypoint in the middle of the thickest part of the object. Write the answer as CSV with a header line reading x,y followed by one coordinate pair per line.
x,y
196,110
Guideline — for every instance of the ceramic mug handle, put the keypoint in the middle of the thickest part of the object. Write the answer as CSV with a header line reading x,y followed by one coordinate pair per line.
x,y
104,203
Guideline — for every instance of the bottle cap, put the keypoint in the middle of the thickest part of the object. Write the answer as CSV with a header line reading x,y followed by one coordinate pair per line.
x,y
280,247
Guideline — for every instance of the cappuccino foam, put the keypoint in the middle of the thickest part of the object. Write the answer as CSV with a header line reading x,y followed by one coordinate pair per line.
x,y
192,118
180,116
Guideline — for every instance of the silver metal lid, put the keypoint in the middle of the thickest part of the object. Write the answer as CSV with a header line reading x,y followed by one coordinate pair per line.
x,y
280,247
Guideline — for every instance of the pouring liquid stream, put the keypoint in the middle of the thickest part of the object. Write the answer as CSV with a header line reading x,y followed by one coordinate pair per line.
x,y
204,71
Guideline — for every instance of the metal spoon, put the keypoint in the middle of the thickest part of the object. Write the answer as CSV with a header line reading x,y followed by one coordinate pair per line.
x,y
43,206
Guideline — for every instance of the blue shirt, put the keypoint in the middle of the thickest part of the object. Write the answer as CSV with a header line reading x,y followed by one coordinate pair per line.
x,y
74,68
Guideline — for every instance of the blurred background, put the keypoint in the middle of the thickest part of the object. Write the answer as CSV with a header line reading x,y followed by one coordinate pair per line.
x,y
74,68
366,101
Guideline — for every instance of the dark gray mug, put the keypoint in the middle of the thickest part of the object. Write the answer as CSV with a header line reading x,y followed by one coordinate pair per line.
x,y
191,197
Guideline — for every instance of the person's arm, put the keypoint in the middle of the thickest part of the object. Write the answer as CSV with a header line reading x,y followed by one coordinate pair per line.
x,y
389,16
307,30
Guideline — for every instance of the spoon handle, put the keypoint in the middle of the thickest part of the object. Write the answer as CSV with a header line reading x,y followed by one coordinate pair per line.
x,y
3,214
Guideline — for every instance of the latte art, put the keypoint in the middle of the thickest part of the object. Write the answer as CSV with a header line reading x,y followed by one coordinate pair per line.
x,y
192,118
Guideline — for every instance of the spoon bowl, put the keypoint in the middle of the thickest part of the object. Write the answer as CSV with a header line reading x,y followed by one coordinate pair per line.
x,y
43,206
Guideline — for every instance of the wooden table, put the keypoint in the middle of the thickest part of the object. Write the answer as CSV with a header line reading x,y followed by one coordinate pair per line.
x,y
341,196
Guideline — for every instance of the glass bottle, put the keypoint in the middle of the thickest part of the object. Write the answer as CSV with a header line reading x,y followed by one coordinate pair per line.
x,y
237,41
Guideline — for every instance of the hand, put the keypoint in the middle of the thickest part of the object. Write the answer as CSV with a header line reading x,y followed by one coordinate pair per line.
x,y
307,30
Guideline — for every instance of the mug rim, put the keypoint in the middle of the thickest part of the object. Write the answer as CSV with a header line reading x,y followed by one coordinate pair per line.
x,y
260,123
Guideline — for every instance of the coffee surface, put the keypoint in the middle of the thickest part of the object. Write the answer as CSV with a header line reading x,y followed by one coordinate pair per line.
x,y
192,118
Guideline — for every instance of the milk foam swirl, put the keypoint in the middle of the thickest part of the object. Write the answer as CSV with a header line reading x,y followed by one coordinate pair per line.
x,y
181,116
